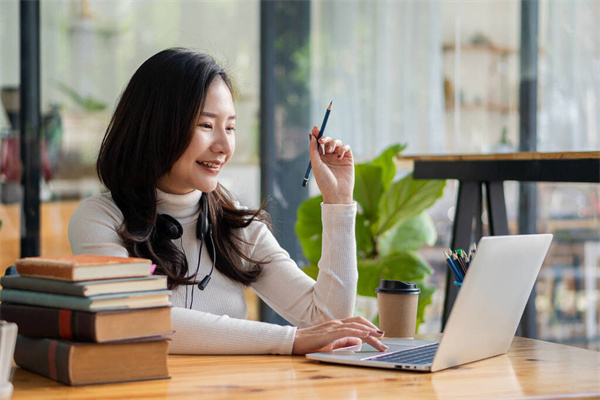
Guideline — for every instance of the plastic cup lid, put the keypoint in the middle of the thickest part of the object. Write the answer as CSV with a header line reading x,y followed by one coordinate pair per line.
x,y
397,287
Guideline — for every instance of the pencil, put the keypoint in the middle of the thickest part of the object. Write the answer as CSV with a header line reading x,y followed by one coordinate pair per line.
x,y
323,125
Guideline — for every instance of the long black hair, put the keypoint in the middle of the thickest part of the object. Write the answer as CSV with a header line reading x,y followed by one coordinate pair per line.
x,y
150,129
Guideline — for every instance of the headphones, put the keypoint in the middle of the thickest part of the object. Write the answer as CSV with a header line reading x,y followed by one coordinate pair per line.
x,y
172,229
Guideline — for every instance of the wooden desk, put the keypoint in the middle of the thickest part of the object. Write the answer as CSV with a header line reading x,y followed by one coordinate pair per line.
x,y
477,171
531,369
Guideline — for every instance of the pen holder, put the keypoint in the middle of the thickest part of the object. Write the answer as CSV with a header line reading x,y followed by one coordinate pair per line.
x,y
8,339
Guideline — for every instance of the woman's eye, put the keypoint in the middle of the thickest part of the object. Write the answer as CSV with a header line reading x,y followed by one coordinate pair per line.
x,y
231,129
206,126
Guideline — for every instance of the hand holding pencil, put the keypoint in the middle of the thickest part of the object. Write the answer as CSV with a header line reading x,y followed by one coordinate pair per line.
x,y
333,165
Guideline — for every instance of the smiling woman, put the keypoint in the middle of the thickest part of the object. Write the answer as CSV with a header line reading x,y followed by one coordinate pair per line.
x,y
211,146
172,132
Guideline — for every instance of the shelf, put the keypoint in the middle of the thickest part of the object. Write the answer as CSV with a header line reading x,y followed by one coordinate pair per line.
x,y
493,107
481,47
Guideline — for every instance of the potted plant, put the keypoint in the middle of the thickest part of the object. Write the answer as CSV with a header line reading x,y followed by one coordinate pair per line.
x,y
391,226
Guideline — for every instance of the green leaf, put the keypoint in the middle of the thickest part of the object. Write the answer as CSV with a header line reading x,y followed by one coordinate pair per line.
x,y
406,266
368,189
411,234
424,300
309,228
405,199
387,164
311,270
364,239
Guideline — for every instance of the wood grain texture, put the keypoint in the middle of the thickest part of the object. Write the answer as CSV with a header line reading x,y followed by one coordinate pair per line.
x,y
532,369
53,230
524,155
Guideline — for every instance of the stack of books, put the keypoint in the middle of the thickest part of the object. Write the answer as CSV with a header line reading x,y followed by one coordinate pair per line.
x,y
89,319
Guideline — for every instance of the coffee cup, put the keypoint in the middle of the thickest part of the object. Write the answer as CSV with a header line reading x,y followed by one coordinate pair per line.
x,y
398,303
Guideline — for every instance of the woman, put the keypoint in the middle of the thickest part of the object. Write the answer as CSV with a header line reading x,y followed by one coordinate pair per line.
x,y
170,135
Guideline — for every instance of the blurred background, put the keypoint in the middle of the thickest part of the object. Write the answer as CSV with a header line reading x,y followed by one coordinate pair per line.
x,y
442,77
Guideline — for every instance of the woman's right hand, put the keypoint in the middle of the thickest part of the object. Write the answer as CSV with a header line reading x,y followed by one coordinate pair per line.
x,y
336,334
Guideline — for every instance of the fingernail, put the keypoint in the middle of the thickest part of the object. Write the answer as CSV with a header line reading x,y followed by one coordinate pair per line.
x,y
323,148
380,331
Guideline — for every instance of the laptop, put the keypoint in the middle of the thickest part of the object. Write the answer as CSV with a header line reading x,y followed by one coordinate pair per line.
x,y
483,320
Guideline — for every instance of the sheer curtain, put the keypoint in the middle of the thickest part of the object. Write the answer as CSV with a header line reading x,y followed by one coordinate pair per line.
x,y
381,64
569,76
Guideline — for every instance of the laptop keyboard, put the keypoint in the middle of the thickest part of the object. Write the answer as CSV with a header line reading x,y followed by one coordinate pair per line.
x,y
417,356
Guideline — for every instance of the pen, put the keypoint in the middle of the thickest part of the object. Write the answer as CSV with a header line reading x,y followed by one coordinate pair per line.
x,y
323,125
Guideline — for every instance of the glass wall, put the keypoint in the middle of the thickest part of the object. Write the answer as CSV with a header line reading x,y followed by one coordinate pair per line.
x,y
441,77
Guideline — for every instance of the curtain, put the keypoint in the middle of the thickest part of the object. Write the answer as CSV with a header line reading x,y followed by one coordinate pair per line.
x,y
569,65
381,64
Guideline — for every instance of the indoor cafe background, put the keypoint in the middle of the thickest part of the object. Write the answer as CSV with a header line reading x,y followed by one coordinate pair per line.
x,y
440,76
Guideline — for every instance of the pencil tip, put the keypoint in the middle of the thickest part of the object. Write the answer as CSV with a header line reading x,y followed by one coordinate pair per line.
x,y
329,108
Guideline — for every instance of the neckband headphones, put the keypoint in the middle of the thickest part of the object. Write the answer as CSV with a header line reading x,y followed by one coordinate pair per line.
x,y
172,229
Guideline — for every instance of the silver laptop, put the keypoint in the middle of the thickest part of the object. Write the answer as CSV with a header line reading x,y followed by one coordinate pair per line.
x,y
483,320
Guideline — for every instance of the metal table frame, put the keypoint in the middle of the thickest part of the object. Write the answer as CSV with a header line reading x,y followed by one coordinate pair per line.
x,y
475,172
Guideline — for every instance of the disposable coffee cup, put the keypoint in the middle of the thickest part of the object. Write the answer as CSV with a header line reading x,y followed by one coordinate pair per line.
x,y
398,302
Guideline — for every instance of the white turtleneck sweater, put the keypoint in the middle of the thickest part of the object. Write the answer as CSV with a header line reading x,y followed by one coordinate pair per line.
x,y
215,323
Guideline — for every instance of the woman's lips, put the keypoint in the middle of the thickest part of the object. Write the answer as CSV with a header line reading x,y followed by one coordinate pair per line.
x,y
207,165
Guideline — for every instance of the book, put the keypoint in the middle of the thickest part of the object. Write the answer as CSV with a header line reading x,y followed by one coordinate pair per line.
x,y
80,363
100,327
117,301
84,267
85,288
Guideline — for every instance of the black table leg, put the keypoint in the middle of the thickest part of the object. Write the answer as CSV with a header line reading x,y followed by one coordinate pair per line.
x,y
469,194
496,208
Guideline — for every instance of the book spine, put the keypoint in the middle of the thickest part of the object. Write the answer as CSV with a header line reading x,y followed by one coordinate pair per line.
x,y
42,285
46,357
45,299
51,322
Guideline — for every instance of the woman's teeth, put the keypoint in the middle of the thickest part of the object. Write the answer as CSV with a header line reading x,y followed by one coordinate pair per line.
x,y
209,164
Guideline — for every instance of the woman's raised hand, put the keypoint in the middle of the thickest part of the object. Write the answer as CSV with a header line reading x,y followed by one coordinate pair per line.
x,y
333,166
336,334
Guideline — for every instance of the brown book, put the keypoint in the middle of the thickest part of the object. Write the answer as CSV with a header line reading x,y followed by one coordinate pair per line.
x,y
102,326
78,363
84,267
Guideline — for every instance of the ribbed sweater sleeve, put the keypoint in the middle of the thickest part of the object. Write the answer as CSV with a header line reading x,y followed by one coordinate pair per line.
x,y
198,332
297,297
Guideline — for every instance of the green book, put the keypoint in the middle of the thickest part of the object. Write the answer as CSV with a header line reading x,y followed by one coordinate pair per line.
x,y
119,301
86,288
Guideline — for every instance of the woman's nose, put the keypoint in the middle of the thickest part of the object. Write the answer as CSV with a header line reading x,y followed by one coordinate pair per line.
x,y
222,142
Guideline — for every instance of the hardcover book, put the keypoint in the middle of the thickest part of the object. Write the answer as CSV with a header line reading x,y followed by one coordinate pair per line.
x,y
118,301
85,288
83,267
102,326
80,363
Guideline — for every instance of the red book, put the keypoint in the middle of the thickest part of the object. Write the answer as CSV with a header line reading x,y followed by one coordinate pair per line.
x,y
76,363
102,326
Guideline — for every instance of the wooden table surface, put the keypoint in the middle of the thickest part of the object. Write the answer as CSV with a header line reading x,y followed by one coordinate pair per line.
x,y
531,369
521,155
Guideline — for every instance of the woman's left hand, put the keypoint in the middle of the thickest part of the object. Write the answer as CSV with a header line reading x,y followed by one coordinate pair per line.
x,y
334,170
